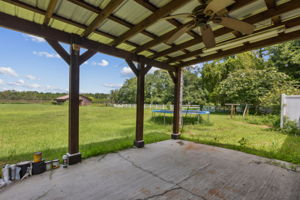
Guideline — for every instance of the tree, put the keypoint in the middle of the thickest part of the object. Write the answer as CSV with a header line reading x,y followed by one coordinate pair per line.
x,y
286,57
251,85
159,89
215,72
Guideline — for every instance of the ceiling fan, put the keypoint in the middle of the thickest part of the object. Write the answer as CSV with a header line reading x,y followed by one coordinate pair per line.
x,y
212,10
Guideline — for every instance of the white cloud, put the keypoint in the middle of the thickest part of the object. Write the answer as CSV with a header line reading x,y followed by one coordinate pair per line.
x,y
17,83
34,38
8,71
85,63
103,63
46,54
35,85
2,82
31,77
126,71
112,85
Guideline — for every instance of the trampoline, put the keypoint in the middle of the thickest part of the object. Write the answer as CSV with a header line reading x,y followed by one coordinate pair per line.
x,y
183,112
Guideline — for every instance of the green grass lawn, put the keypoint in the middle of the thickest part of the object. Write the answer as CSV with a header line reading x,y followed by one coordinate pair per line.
x,y
27,128
240,135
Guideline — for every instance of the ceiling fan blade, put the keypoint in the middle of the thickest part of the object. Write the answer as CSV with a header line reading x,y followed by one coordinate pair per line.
x,y
208,36
235,24
217,5
179,33
183,15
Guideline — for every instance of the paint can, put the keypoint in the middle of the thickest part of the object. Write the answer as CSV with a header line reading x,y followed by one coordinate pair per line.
x,y
38,167
24,167
55,164
5,173
65,161
13,171
48,165
37,157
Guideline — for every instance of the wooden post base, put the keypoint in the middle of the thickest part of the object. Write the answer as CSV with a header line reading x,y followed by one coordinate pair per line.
x,y
139,144
74,158
175,136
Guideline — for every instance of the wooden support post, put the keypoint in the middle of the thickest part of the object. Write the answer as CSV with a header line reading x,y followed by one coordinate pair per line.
x,y
177,104
139,140
74,61
74,155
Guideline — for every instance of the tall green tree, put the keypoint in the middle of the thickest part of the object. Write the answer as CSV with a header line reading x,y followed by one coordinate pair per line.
x,y
252,85
285,57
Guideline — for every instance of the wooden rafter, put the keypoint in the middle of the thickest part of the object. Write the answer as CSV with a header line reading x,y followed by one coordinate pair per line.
x,y
174,22
68,21
283,37
102,16
283,8
271,4
49,12
162,12
32,28
161,39
287,24
165,37
111,17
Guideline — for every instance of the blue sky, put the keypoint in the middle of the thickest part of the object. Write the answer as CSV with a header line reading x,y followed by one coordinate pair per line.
x,y
28,63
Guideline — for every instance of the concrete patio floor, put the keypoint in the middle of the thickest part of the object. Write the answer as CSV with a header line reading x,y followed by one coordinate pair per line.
x,y
165,170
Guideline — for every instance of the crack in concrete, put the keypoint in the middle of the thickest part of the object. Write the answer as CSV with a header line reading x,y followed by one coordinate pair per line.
x,y
167,181
161,194
102,157
43,195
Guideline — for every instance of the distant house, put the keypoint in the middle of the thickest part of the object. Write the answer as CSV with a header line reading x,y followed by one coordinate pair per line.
x,y
84,101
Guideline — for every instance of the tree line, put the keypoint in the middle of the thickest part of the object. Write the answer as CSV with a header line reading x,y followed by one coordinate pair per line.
x,y
255,77
47,96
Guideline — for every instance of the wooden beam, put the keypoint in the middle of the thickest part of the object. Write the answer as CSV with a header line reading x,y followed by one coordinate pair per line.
x,y
87,55
162,12
173,77
286,24
147,69
161,39
283,8
32,28
140,98
167,35
74,104
111,17
271,4
184,56
59,49
177,104
111,6
132,67
147,4
49,12
256,45
82,26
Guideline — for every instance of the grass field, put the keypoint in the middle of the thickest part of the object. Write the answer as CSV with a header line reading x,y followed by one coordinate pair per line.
x,y
26,128
240,135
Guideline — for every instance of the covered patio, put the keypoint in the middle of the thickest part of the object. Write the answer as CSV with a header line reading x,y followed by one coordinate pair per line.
x,y
146,34
172,169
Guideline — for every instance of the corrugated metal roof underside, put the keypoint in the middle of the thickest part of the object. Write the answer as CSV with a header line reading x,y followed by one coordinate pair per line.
x,y
131,13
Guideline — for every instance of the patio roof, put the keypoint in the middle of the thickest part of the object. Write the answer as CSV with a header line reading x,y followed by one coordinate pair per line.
x,y
133,29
